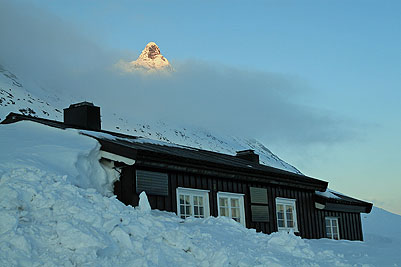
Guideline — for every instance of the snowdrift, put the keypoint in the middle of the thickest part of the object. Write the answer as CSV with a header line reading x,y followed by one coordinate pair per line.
x,y
56,209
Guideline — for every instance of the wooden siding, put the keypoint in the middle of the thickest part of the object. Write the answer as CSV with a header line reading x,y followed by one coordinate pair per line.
x,y
311,221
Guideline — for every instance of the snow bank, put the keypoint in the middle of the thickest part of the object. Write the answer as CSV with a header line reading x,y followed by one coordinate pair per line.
x,y
53,211
62,152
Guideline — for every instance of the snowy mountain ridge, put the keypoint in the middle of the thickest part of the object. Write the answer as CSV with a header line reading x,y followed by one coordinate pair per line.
x,y
35,101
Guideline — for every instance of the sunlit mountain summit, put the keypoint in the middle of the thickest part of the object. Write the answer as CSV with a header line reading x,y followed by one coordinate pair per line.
x,y
150,59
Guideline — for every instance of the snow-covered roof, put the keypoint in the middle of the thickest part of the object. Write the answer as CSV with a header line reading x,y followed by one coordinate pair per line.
x,y
127,146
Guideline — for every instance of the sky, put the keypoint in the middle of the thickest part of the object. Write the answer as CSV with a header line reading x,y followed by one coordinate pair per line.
x,y
318,82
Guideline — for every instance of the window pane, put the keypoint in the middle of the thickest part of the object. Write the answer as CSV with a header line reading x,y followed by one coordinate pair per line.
x,y
200,201
195,200
201,211
288,209
196,210
290,224
223,211
234,212
289,216
334,223
280,208
280,223
223,202
181,199
280,215
234,202
187,199
328,235
188,210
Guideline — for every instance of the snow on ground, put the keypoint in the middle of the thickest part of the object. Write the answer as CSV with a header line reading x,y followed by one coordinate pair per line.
x,y
55,211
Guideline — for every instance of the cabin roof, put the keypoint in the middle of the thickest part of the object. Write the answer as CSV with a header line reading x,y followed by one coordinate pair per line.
x,y
141,149
337,201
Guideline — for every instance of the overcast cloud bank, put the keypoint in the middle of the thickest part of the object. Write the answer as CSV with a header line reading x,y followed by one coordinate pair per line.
x,y
257,104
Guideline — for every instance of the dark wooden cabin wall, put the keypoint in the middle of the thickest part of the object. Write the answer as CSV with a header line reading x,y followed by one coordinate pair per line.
x,y
311,222
350,224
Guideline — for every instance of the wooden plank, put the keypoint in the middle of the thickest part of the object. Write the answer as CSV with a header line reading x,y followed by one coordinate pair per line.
x,y
321,224
168,200
204,183
153,201
219,185
235,186
128,186
345,226
173,192
247,205
315,227
300,213
160,202
349,226
224,185
134,195
341,226
354,226
180,180
305,215
271,209
360,227
212,204
310,214
230,186
187,181
192,180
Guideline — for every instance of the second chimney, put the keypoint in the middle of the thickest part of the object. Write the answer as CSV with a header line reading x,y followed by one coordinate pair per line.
x,y
249,155
84,115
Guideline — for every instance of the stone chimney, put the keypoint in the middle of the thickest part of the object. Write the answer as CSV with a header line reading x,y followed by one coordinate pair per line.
x,y
84,115
249,155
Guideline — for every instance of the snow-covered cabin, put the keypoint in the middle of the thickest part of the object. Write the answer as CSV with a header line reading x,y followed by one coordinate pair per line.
x,y
197,183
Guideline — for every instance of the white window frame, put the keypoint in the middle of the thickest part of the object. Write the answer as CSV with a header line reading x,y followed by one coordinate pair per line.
x,y
331,219
230,196
288,202
193,192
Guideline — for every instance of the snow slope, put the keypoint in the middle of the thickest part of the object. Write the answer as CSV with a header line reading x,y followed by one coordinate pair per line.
x,y
54,211
20,96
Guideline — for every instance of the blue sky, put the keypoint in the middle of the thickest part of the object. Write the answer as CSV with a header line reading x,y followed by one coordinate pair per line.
x,y
343,59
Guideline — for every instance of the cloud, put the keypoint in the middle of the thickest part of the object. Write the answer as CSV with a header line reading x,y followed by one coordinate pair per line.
x,y
217,97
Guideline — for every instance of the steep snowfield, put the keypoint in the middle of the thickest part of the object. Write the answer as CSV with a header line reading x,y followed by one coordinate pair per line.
x,y
20,96
14,97
54,210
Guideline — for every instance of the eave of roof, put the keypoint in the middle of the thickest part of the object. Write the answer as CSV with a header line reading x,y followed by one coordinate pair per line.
x,y
337,204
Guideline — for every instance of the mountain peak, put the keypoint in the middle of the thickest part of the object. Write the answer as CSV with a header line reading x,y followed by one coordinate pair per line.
x,y
151,50
151,59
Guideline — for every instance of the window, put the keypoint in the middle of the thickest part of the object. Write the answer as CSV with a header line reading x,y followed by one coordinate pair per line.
x,y
332,228
192,203
231,205
286,214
